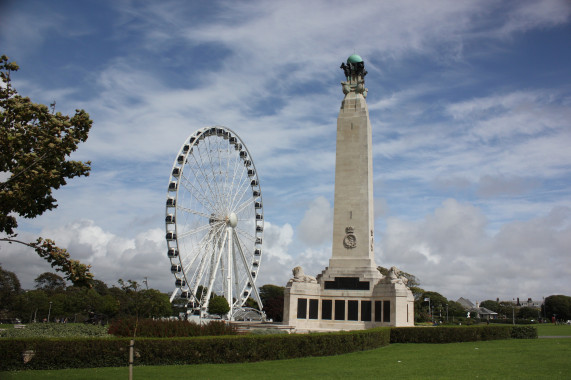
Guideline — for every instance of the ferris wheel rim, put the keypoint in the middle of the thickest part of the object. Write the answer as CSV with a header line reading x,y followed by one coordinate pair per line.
x,y
226,217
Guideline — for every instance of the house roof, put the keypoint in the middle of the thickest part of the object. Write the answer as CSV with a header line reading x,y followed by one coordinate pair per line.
x,y
467,304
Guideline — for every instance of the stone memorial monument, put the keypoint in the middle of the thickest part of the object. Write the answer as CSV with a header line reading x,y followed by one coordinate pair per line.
x,y
351,293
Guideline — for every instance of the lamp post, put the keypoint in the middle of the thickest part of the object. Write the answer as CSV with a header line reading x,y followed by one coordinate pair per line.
x,y
49,311
513,312
429,310
446,313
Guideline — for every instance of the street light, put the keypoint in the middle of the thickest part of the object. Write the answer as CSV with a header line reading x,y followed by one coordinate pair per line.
x,y
49,311
446,313
513,312
429,310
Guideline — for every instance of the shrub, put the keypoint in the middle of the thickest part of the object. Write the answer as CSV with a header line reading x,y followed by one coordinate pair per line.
x,y
445,334
150,328
524,332
56,330
92,353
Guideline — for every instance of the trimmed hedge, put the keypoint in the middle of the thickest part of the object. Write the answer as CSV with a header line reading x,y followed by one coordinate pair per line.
x,y
524,332
92,353
56,330
455,334
150,328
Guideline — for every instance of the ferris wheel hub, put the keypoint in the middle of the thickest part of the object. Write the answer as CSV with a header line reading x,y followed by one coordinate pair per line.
x,y
232,220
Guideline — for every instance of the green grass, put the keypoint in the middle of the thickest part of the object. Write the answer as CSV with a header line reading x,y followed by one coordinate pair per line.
x,y
502,359
549,329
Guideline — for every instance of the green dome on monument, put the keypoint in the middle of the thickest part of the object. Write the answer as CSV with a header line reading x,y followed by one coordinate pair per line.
x,y
354,59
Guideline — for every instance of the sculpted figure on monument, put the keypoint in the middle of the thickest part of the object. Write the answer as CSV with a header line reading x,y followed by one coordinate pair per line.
x,y
394,276
299,276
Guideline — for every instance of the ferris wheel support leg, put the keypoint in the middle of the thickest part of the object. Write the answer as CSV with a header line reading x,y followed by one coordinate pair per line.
x,y
244,261
229,234
175,291
213,276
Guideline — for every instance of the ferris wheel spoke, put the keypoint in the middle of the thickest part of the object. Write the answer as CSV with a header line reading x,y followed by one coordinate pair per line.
x,y
194,231
237,169
201,252
198,194
214,186
215,266
243,206
190,211
245,263
241,191
243,235
202,186
207,247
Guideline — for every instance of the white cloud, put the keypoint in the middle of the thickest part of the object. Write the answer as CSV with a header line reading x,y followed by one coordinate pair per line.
x,y
316,227
451,252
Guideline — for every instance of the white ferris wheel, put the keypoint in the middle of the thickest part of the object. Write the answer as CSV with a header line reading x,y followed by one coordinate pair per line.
x,y
214,221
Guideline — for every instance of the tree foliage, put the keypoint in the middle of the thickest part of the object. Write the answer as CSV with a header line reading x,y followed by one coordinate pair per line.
x,y
35,145
558,306
10,288
218,305
80,304
272,297
50,282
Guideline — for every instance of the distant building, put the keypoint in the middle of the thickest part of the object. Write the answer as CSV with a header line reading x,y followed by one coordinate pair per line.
x,y
528,303
475,310
466,304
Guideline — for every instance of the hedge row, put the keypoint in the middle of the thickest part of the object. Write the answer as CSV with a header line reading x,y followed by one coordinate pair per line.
x,y
455,334
92,353
56,330
150,328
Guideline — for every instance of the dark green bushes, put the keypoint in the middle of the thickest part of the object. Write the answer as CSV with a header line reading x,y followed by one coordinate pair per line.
x,y
150,328
524,332
454,334
92,353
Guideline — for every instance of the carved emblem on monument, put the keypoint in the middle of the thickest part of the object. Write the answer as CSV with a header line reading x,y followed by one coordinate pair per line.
x,y
350,240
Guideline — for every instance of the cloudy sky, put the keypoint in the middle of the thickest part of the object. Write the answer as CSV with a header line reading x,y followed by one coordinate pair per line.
x,y
470,103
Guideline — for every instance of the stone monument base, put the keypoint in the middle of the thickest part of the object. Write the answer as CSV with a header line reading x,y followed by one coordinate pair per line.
x,y
338,301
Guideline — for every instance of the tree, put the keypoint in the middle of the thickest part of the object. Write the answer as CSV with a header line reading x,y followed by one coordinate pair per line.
x,y
35,145
526,312
9,289
272,297
437,303
50,282
218,305
154,303
558,306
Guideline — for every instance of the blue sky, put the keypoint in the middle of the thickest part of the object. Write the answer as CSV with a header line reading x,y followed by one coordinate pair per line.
x,y
470,104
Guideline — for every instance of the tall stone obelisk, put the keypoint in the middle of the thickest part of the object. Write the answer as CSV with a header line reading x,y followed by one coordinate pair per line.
x,y
353,220
350,293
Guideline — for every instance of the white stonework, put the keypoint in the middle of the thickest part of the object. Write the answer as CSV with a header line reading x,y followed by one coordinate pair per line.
x,y
350,293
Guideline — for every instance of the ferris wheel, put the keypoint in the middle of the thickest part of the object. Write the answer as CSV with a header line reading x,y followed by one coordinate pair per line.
x,y
214,221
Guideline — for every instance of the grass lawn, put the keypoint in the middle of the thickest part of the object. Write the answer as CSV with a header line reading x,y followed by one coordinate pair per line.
x,y
502,359
549,329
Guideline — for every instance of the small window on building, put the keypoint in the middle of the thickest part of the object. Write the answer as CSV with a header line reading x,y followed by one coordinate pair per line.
x,y
313,307
353,310
339,310
302,308
378,311
386,311
326,309
366,311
